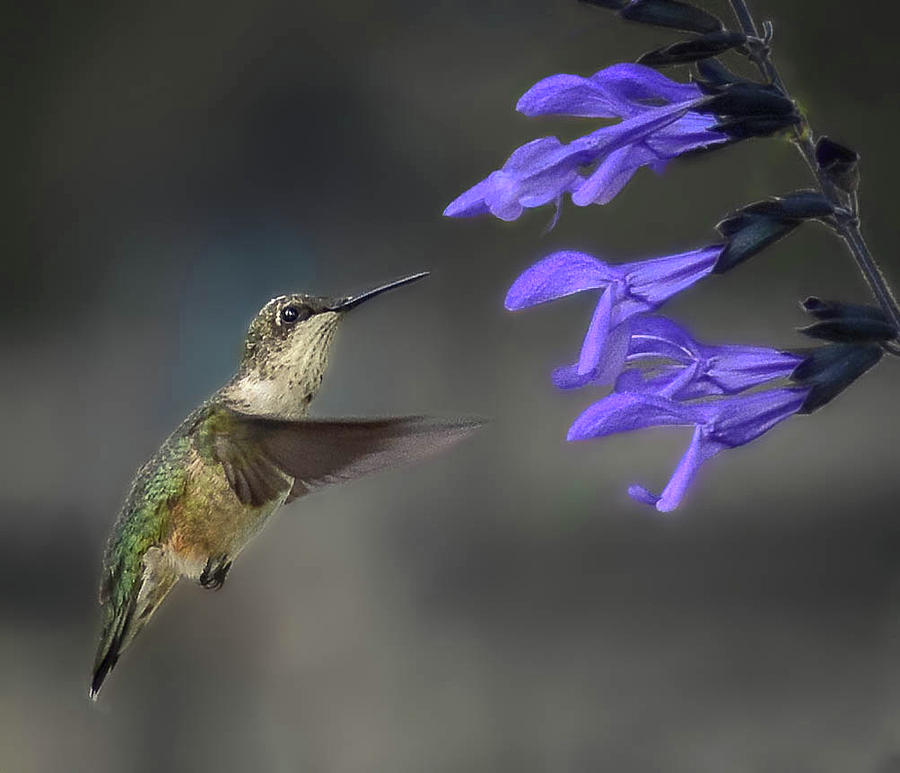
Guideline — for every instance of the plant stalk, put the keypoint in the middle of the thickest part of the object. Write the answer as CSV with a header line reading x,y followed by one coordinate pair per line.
x,y
846,225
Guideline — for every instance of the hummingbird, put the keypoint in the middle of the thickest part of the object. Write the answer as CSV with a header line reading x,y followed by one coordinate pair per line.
x,y
240,456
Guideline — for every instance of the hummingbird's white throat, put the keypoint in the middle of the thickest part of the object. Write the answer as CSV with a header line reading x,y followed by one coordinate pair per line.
x,y
287,374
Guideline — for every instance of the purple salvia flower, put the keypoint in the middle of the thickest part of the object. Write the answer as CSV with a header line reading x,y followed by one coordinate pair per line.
x,y
657,126
628,289
695,370
725,423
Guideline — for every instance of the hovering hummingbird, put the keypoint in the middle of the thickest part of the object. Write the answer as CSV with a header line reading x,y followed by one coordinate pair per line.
x,y
241,455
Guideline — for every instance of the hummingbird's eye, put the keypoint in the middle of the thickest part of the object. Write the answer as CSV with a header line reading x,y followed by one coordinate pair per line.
x,y
292,314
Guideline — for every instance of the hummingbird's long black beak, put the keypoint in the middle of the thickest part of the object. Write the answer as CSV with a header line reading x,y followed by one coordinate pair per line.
x,y
345,304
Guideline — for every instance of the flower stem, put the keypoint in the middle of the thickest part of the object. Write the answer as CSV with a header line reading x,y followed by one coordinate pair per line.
x,y
847,222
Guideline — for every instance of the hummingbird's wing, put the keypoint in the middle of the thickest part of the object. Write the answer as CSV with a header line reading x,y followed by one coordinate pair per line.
x,y
321,452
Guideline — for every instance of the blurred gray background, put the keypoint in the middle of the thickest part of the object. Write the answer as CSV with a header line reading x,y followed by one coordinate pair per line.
x,y
505,607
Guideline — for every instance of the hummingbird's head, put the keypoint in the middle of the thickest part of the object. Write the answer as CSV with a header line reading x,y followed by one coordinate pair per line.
x,y
286,351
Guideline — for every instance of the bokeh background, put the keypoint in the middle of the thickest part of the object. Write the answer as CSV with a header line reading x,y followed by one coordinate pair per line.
x,y
506,607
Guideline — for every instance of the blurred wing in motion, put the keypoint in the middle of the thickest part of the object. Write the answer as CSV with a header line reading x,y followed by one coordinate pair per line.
x,y
321,452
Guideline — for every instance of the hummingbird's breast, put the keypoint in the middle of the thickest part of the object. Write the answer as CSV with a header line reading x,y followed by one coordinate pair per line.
x,y
209,521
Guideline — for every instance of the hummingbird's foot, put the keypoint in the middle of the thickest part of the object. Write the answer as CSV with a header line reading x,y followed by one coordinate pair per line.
x,y
213,575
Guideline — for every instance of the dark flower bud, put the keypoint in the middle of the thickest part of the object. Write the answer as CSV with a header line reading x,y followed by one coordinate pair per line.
x,y
847,322
748,234
799,205
859,330
671,13
713,73
821,309
702,47
839,163
746,109
756,126
829,370
616,5
743,99
754,227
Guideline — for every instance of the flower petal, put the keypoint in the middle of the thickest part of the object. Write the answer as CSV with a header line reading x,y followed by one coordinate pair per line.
x,y
567,95
657,336
700,449
605,140
635,380
655,281
682,379
502,199
734,421
535,174
470,203
637,83
690,132
612,174
736,368
643,495
595,338
568,377
614,91
624,412
687,133
559,274
535,153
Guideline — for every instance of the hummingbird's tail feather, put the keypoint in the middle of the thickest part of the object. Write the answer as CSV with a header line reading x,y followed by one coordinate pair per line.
x,y
125,620
111,645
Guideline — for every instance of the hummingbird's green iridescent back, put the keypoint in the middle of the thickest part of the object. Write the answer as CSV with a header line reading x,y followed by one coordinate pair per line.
x,y
145,517
141,526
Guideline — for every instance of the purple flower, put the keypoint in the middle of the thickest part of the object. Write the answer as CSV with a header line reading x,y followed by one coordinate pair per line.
x,y
628,289
658,125
680,367
725,423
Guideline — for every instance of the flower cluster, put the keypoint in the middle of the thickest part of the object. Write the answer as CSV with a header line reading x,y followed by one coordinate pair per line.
x,y
660,119
660,374
657,372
